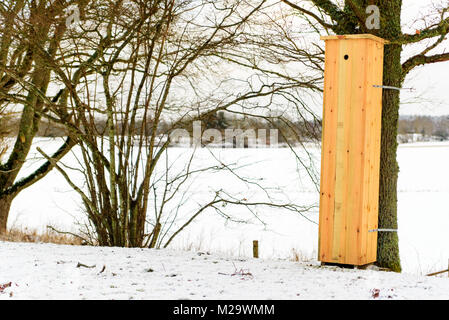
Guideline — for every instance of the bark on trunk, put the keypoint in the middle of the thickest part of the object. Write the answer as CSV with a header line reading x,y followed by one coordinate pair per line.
x,y
388,243
5,206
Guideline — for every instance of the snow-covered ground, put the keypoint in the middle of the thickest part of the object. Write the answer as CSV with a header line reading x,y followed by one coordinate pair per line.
x,y
46,271
423,193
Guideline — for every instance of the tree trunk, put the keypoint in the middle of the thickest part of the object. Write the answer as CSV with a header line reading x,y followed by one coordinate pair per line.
x,y
5,205
388,243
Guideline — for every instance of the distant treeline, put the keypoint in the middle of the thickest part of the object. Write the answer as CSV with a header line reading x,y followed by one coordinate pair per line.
x,y
423,128
289,131
411,128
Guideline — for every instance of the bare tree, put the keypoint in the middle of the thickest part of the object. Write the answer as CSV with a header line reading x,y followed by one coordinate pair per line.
x,y
160,48
28,27
125,64
41,75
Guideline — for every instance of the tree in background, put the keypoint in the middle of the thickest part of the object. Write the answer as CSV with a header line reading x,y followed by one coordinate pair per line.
x,y
27,26
165,63
41,51
350,18
216,120
41,74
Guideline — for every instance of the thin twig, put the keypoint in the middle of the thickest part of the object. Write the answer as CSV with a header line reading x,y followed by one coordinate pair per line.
x,y
67,233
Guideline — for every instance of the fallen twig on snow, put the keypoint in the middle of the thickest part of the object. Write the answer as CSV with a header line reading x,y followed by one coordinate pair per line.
x,y
79,265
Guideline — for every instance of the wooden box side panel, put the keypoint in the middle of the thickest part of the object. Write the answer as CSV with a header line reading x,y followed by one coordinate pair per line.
x,y
328,152
373,145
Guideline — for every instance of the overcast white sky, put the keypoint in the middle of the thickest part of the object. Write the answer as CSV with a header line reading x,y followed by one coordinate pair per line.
x,y
431,81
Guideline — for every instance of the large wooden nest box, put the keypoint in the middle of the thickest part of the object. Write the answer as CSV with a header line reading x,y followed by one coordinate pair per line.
x,y
350,160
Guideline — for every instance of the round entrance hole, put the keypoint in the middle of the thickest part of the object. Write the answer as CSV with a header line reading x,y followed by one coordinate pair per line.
x,y
346,57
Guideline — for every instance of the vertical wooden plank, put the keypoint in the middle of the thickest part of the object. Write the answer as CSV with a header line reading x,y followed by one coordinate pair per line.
x,y
371,104
341,176
356,152
368,149
366,241
377,120
328,156
351,135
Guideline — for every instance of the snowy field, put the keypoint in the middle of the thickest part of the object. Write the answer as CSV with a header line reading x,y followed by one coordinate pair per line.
x,y
423,207
41,271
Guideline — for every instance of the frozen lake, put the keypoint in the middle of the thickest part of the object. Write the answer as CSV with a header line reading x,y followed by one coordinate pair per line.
x,y
423,203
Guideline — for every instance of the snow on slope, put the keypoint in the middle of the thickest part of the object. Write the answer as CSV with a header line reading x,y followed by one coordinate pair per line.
x,y
43,271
